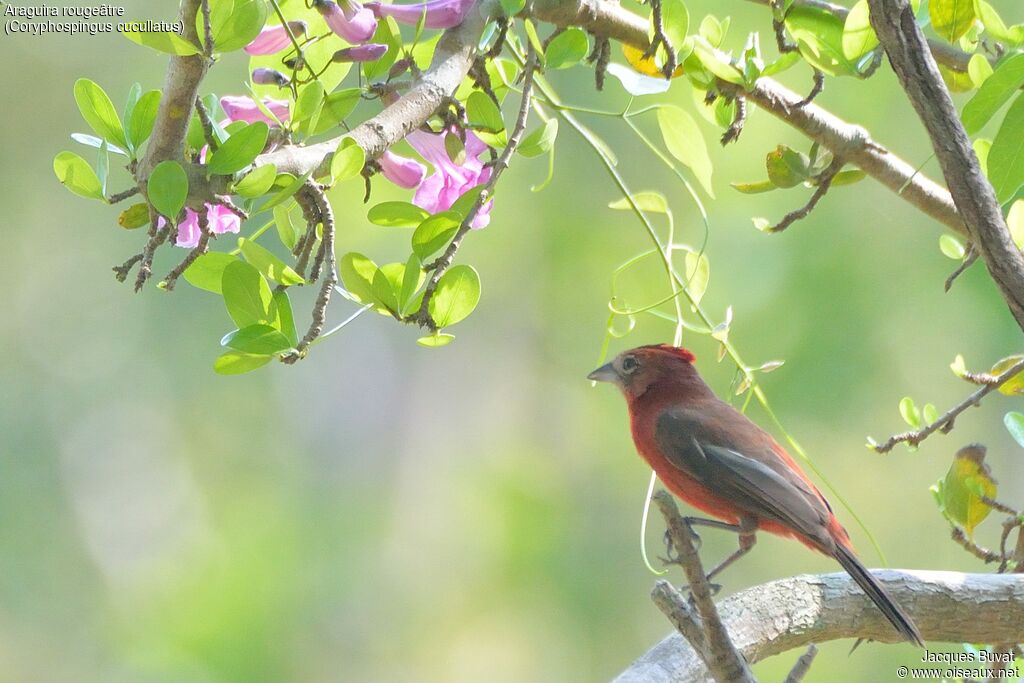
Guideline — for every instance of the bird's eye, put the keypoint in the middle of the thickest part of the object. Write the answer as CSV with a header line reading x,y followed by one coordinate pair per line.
x,y
630,364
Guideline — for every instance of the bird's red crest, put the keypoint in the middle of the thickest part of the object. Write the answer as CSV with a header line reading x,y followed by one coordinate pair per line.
x,y
676,351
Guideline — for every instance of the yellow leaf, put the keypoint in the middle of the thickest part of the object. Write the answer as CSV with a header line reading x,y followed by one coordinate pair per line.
x,y
968,477
645,65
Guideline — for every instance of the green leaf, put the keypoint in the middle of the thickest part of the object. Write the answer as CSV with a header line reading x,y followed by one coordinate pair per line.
x,y
713,30
754,188
167,189
952,247
163,41
257,182
436,340
397,215
858,36
1015,385
387,34
337,107
645,201
787,167
247,295
465,202
207,271
308,107
567,49
968,477
698,274
293,186
348,160
959,366
268,264
387,284
993,94
848,177
434,233
686,143
709,59
1006,159
98,111
239,150
286,231
995,26
357,273
1014,422
512,7
819,35
910,413
77,175
238,363
979,69
412,279
243,24
259,339
540,141
143,116
675,19
1015,222
951,18
457,294
483,113
531,35
283,316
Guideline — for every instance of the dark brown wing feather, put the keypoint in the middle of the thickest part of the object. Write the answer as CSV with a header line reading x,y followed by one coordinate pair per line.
x,y
744,470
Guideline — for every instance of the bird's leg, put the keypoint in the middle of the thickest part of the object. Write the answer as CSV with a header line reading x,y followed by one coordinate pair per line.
x,y
697,542
747,538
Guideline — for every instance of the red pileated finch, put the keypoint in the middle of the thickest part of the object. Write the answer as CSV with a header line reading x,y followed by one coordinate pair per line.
x,y
714,458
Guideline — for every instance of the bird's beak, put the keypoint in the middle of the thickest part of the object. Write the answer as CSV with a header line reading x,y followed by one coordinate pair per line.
x,y
605,373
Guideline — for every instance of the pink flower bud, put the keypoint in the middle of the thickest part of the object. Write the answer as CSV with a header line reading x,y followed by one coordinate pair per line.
x,y
440,13
245,109
402,171
265,76
273,39
361,53
349,19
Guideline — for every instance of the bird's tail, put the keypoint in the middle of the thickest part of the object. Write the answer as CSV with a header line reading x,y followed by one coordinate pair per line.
x,y
893,612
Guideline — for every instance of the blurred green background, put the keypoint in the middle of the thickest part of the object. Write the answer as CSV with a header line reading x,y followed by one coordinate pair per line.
x,y
386,513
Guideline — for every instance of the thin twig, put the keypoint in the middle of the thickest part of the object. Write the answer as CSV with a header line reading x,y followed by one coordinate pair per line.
x,y
121,271
946,420
803,665
679,613
121,196
146,260
295,42
816,89
984,554
422,316
330,277
206,123
970,256
207,31
824,183
201,248
732,133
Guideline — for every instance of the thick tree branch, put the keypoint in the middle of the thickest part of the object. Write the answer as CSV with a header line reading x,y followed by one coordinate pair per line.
x,y
181,85
944,53
851,142
791,613
903,41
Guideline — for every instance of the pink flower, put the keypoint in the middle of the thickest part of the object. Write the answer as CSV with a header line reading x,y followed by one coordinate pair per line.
x,y
361,53
402,171
265,76
440,13
348,19
219,218
450,180
273,39
245,109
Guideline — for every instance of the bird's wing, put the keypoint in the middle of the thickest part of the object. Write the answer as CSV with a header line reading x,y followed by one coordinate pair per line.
x,y
744,478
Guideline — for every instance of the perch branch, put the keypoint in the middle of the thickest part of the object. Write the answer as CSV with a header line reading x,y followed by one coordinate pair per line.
x,y
722,658
945,421
791,613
